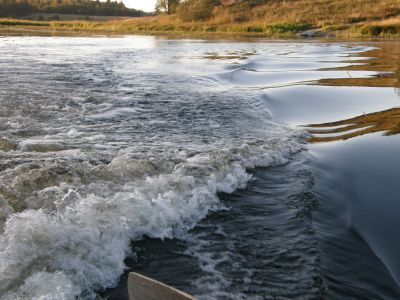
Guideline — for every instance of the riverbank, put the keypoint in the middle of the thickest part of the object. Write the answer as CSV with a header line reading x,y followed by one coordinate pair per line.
x,y
389,28
276,19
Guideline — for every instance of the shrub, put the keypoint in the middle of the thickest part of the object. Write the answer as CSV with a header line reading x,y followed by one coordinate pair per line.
x,y
196,10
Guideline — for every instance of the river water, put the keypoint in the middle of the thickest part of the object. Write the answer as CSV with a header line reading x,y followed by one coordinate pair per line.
x,y
228,169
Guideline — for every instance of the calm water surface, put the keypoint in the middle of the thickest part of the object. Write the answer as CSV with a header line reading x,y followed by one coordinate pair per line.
x,y
228,169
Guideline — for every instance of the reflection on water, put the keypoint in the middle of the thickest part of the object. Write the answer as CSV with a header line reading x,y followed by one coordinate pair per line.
x,y
387,121
384,58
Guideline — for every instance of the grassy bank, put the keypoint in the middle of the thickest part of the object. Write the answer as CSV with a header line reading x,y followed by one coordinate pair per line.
x,y
343,18
158,25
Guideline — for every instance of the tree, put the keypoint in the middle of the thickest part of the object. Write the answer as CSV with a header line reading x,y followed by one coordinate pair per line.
x,y
167,6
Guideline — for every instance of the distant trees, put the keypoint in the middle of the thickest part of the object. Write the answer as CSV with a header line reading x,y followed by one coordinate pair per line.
x,y
15,8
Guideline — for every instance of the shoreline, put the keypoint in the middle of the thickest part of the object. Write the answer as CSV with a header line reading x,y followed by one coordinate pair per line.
x,y
271,31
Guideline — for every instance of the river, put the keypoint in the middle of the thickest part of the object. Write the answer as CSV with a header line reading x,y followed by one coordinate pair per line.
x,y
248,169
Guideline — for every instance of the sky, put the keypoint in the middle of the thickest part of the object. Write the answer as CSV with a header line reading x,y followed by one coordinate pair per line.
x,y
146,5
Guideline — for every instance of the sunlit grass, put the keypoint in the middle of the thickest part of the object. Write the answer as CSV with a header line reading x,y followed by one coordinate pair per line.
x,y
327,12
390,27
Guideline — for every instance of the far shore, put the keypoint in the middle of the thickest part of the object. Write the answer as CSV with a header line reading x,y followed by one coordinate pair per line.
x,y
166,27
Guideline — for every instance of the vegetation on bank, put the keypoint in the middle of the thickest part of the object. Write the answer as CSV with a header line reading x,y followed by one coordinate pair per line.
x,y
385,28
263,18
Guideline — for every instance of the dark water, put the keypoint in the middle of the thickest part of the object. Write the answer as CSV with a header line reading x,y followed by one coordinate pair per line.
x,y
190,162
262,247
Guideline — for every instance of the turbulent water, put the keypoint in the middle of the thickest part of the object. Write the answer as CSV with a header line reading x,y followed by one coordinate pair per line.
x,y
105,141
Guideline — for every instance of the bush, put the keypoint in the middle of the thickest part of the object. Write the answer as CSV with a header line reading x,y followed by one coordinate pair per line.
x,y
196,10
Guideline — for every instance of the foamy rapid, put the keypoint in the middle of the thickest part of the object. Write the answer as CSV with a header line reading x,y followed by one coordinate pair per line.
x,y
107,140
77,240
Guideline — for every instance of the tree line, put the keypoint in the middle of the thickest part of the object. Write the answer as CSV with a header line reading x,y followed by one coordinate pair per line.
x,y
17,8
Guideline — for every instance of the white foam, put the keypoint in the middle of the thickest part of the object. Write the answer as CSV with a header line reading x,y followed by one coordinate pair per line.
x,y
79,242
57,286
5,211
